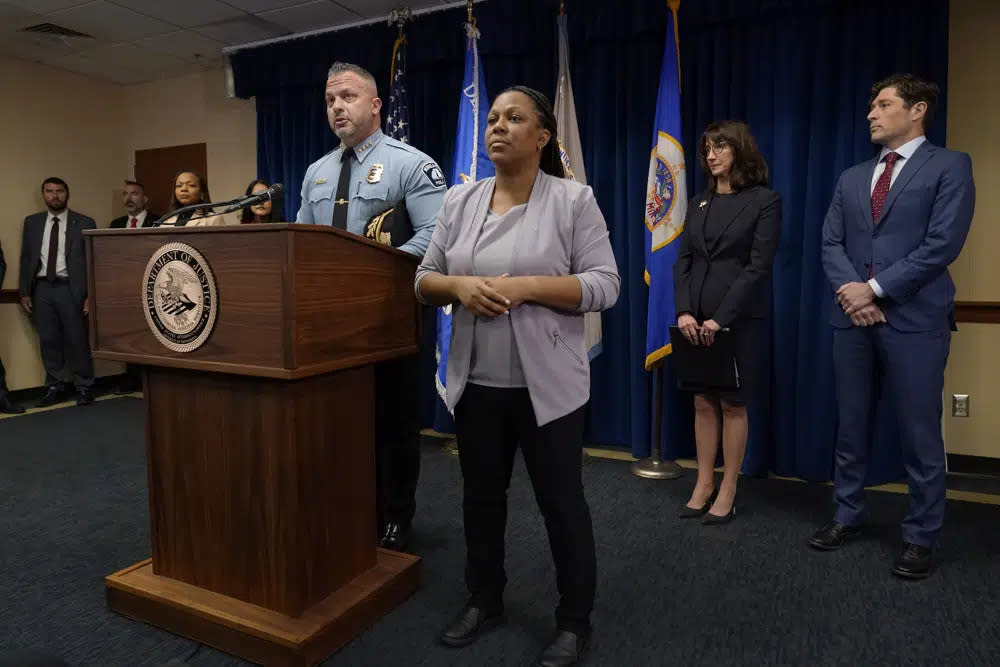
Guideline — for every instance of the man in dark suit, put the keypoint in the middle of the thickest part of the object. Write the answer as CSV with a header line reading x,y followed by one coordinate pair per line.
x,y
6,405
54,291
135,200
893,227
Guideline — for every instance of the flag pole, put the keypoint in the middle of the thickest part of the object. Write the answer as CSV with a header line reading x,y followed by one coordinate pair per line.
x,y
654,467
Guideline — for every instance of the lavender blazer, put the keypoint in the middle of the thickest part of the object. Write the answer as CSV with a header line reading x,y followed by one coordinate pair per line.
x,y
563,234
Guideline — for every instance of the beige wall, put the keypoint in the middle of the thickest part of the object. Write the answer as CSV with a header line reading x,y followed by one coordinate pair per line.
x,y
54,124
86,132
973,127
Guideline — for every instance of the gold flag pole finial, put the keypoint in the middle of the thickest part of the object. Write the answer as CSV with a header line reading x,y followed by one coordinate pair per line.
x,y
468,9
562,7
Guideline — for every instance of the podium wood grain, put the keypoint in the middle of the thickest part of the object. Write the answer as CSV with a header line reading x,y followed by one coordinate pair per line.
x,y
260,443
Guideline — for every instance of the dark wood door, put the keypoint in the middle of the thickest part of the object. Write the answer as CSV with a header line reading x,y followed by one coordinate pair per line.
x,y
155,168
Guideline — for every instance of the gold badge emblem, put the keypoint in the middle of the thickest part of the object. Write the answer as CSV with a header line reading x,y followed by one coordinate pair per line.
x,y
180,295
375,173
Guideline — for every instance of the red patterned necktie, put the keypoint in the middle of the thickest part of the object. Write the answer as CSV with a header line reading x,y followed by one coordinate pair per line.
x,y
134,223
881,190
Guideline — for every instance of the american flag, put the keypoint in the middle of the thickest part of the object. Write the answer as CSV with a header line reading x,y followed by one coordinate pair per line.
x,y
397,121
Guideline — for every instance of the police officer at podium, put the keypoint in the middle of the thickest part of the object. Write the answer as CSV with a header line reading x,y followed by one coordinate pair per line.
x,y
375,186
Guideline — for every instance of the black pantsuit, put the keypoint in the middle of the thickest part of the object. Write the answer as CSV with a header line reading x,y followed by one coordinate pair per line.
x,y
397,439
3,380
491,424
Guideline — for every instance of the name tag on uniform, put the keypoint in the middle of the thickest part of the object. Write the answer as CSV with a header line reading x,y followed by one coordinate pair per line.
x,y
320,181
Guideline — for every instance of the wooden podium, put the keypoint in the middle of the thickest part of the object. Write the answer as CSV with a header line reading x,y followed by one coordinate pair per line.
x,y
260,442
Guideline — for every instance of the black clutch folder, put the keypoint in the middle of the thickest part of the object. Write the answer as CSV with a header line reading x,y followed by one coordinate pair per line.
x,y
713,366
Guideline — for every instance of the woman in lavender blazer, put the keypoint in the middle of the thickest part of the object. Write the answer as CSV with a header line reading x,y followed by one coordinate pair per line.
x,y
520,258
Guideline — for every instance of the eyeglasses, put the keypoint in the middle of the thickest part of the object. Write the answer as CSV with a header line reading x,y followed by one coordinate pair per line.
x,y
714,147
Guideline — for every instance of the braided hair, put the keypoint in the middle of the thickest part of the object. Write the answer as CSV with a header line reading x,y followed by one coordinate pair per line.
x,y
551,163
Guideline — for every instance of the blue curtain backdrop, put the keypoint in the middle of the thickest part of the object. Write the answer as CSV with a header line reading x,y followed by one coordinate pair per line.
x,y
797,70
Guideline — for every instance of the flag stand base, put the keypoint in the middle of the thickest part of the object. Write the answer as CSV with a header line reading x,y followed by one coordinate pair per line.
x,y
651,468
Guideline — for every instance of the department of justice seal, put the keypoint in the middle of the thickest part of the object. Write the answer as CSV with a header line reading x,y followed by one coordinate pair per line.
x,y
179,295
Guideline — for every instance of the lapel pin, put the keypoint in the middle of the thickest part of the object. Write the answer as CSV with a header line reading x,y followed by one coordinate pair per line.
x,y
703,203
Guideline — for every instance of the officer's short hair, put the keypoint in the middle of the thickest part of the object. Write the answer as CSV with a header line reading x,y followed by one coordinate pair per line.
x,y
341,67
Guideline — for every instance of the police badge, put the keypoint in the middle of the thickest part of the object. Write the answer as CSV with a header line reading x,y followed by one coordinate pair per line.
x,y
375,173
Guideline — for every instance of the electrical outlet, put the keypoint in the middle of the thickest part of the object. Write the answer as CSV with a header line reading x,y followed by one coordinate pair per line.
x,y
959,405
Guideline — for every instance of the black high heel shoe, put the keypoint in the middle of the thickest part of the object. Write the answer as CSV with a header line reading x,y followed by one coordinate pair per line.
x,y
716,520
695,512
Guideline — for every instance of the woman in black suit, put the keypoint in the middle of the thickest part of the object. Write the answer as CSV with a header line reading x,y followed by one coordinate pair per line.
x,y
721,281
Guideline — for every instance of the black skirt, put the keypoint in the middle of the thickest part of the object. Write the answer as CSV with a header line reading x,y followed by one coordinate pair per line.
x,y
751,355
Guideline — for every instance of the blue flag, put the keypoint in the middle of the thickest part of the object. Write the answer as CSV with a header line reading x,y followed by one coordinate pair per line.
x,y
666,200
471,164
397,120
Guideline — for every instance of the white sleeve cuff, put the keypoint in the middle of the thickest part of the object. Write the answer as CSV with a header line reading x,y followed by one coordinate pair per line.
x,y
876,288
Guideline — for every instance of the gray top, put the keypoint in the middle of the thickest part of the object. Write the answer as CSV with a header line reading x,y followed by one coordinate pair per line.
x,y
495,361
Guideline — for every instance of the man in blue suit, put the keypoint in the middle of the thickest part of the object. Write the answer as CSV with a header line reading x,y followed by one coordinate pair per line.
x,y
893,227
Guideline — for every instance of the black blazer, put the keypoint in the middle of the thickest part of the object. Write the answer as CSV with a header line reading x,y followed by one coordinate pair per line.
x,y
727,281
3,267
76,258
122,222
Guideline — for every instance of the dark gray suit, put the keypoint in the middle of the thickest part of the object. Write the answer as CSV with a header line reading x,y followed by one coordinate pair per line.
x,y
58,305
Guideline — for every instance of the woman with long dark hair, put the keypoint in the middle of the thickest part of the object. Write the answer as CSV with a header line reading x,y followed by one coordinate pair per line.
x,y
266,211
521,257
721,281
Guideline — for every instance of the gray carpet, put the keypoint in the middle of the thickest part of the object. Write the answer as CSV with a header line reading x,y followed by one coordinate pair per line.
x,y
73,509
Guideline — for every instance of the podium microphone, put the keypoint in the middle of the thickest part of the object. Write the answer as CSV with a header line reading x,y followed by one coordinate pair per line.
x,y
275,190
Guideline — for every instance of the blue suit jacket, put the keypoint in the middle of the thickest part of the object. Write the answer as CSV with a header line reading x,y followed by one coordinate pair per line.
x,y
923,226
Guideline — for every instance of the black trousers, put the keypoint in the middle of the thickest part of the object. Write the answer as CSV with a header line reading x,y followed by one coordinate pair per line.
x,y
397,439
491,423
62,333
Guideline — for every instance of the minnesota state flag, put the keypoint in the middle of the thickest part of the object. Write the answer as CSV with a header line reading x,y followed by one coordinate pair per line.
x,y
471,164
666,200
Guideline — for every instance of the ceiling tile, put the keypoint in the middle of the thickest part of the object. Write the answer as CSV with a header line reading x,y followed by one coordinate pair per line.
x,y
185,44
48,45
309,16
255,6
15,18
184,13
103,19
241,31
45,6
379,8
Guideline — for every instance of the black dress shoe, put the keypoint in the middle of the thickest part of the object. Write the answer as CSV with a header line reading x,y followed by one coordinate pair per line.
x,y
395,537
9,407
716,520
469,625
913,563
86,397
52,396
832,536
567,648
695,512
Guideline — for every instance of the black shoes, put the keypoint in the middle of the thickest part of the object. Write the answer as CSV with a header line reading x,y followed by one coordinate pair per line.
x,y
695,512
52,396
469,625
395,537
716,520
9,407
85,397
913,563
567,648
833,536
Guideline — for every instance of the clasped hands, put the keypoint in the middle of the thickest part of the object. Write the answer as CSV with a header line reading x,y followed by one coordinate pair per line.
x,y
858,302
489,297
698,335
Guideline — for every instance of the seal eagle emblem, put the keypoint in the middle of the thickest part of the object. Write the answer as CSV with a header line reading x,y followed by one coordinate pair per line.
x,y
180,297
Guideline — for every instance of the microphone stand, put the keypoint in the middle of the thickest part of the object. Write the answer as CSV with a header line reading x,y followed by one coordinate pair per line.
x,y
194,207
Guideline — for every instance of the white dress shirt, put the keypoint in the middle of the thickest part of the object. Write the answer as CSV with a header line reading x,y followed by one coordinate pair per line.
x,y
61,270
905,152
140,218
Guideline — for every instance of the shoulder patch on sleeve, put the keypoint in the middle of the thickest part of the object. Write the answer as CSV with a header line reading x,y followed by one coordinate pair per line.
x,y
433,174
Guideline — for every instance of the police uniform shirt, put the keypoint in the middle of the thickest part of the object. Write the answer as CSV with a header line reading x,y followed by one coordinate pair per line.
x,y
385,172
